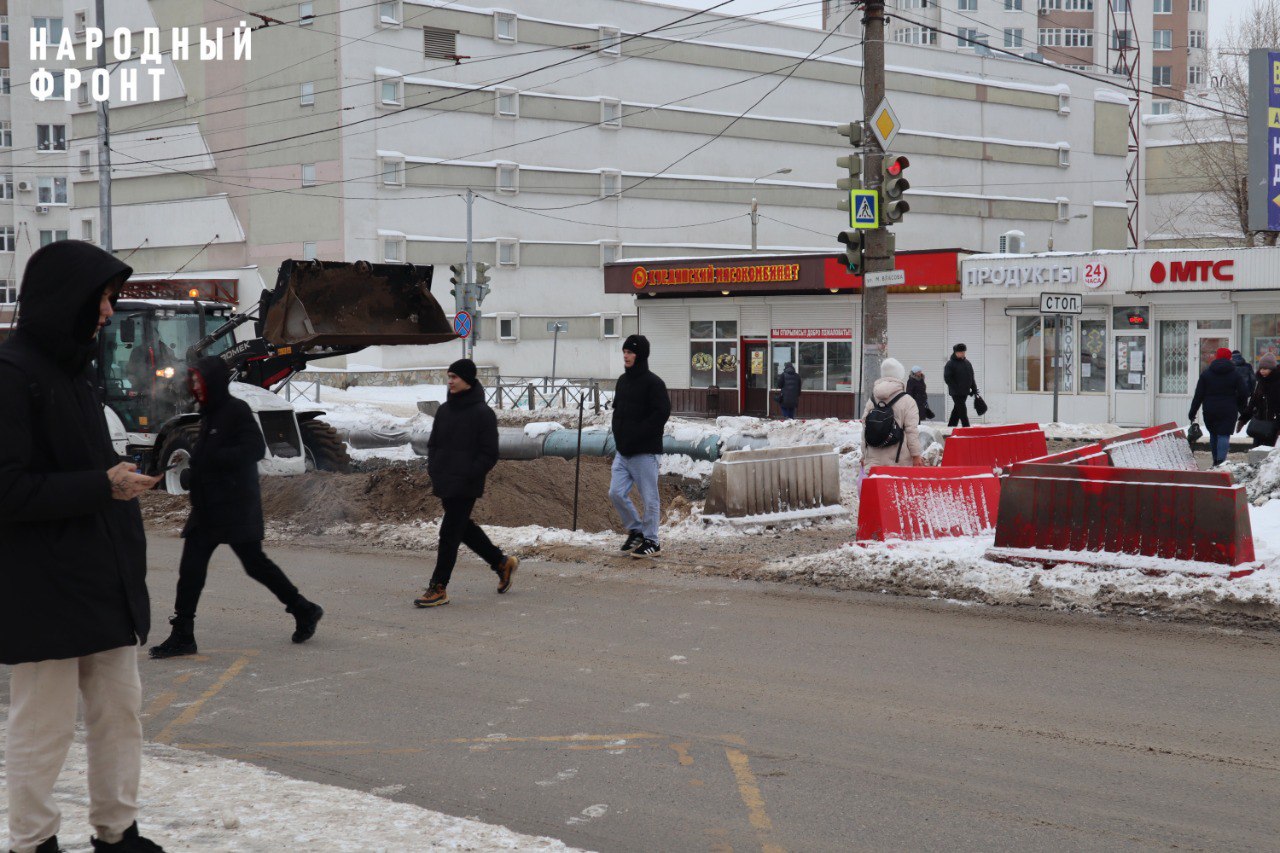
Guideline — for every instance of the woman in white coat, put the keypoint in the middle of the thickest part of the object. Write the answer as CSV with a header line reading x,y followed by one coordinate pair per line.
x,y
891,384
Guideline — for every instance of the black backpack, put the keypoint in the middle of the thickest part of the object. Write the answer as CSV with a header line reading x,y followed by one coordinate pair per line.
x,y
881,428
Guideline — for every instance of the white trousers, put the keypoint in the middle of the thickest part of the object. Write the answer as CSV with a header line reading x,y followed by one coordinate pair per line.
x,y
42,723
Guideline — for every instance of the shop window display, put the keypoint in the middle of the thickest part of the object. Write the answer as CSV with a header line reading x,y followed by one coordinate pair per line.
x,y
1259,335
1093,356
713,353
1174,350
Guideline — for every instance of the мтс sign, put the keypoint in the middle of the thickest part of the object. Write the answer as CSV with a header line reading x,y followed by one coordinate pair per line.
x,y
1061,303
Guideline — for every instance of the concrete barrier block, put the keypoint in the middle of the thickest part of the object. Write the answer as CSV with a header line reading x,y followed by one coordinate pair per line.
x,y
774,480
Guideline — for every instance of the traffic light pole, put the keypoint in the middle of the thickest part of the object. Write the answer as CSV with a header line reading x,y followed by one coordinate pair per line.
x,y
875,306
468,286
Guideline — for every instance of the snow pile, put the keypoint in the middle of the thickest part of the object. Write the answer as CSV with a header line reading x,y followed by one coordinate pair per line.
x,y
684,466
1088,432
1261,482
191,801
540,428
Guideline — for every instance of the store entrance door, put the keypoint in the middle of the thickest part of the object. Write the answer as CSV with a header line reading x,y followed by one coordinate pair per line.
x,y
755,378
1132,364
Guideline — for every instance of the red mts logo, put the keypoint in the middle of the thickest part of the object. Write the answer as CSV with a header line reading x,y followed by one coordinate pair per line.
x,y
1192,271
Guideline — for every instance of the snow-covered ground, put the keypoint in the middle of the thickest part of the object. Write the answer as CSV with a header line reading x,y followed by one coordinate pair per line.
x,y
191,801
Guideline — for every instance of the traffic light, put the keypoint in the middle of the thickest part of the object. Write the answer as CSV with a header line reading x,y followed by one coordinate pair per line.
x,y
481,282
458,279
854,131
893,184
853,241
853,164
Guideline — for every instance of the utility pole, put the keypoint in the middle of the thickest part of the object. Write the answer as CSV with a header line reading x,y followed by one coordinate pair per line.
x,y
468,286
755,220
879,258
104,138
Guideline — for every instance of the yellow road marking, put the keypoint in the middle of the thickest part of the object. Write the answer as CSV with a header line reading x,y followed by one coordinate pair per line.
x,y
682,753
749,790
607,746
548,738
166,734
273,744
158,704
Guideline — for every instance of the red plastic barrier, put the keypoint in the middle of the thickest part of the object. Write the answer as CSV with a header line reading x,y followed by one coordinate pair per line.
x,y
1088,454
995,446
1163,447
927,503
1175,515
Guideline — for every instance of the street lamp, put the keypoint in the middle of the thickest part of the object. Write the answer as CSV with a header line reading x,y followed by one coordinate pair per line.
x,y
755,208
1051,224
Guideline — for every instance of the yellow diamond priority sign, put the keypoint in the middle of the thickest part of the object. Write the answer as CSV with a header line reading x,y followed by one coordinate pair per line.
x,y
885,124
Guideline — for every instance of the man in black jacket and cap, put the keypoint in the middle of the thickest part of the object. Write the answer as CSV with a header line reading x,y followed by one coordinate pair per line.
x,y
462,450
958,376
73,593
226,509
640,411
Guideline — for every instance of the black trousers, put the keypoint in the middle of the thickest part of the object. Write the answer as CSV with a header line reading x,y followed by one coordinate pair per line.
x,y
959,412
457,528
194,568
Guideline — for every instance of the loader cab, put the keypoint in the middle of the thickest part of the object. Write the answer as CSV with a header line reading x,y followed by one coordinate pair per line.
x,y
142,361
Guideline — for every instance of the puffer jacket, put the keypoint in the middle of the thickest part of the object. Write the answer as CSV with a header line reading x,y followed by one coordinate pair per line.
x,y
906,413
1222,393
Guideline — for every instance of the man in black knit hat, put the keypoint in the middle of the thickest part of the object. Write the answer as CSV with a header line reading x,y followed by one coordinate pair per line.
x,y
640,411
462,450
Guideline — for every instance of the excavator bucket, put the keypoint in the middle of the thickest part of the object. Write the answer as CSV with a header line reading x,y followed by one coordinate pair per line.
x,y
335,304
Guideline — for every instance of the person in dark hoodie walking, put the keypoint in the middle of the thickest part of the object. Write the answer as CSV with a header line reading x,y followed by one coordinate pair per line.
x,y
789,390
73,593
1264,403
226,509
462,450
1222,393
960,382
1242,367
917,391
640,411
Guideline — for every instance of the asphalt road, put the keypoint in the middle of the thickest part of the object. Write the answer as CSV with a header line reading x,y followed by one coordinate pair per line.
x,y
632,709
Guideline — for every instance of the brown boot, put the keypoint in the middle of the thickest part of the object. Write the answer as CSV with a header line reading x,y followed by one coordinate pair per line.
x,y
506,573
433,597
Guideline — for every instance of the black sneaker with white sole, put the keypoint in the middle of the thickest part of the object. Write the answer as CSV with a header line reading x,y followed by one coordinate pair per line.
x,y
648,548
634,538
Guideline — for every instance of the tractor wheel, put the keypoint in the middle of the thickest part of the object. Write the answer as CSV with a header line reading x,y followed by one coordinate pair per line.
x,y
324,449
176,452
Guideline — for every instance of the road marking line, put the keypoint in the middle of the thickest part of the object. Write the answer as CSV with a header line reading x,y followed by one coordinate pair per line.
x,y
158,704
605,746
682,753
273,744
749,790
548,738
193,710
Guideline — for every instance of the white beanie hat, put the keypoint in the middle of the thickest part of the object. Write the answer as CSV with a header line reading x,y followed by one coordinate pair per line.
x,y
891,368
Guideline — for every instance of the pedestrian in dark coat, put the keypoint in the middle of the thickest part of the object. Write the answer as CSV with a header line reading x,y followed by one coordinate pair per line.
x,y
1242,367
640,411
462,450
1221,392
917,391
73,594
789,386
959,378
1264,403
226,509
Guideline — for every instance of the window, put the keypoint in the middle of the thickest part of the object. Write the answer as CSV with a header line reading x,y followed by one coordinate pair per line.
x,y
1034,356
1259,335
308,251
1196,6
1013,37
306,14
1195,75
59,87
86,230
1161,108
51,137
508,327
1076,37
504,26
1051,37
1064,209
1163,7
609,325
82,95
1195,38
392,172
967,5
86,164
1064,155
967,37
508,252
713,353
1121,39
508,103
823,366
913,4
5,85
4,26
610,113
1161,75
610,184
6,186
508,178
47,237
52,29
393,250
1162,40
916,35
439,44
391,92
1174,351
8,291
80,19
389,14
610,251
8,242
308,96
610,41
6,134
308,174
1013,5
51,190
1093,356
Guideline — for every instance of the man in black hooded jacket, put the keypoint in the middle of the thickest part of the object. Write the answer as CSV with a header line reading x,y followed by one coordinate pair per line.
x,y
640,411
226,508
73,593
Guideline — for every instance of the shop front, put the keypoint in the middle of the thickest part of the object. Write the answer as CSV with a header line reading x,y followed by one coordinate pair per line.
x,y
721,330
1151,322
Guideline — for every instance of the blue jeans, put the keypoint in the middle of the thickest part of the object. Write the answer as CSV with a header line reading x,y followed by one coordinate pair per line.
x,y
788,413
641,471
1219,445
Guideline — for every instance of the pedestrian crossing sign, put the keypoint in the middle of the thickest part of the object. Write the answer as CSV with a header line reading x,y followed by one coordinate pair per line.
x,y
864,209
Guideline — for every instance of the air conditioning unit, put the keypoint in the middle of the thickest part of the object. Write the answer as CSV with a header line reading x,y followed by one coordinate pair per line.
x,y
42,208
1012,242
24,186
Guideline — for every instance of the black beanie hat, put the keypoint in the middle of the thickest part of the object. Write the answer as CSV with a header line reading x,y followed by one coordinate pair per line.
x,y
959,348
637,344
464,369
